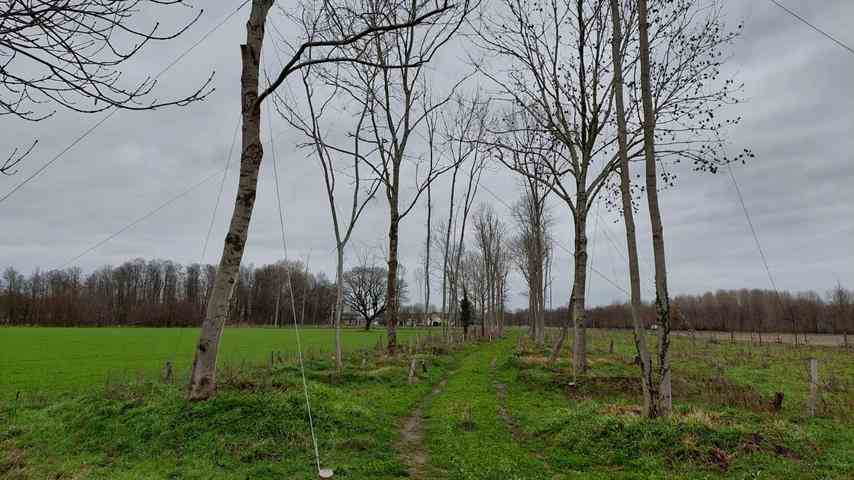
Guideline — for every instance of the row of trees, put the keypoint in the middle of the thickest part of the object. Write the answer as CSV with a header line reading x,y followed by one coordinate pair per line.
x,y
584,87
744,310
162,293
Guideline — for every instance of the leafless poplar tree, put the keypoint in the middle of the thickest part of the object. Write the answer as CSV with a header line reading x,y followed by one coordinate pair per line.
x,y
398,105
491,241
556,67
532,249
313,123
462,128
662,296
68,54
639,331
367,23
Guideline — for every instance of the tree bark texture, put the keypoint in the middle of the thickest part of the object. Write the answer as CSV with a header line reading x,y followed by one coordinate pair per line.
x,y
203,375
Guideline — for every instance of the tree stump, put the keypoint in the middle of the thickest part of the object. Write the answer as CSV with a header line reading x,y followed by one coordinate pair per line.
x,y
412,364
777,404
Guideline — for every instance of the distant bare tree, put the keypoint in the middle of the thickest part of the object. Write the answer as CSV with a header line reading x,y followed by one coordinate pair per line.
x,y
491,241
365,290
366,23
462,129
531,250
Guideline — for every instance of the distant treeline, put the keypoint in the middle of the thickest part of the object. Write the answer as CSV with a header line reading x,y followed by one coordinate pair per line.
x,y
161,293
733,310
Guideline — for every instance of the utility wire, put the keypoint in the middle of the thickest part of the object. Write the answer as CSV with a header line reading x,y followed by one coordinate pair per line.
x,y
142,218
752,229
569,252
180,336
817,29
291,288
100,122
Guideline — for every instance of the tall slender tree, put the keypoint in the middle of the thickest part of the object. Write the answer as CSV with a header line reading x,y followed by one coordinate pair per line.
x,y
638,329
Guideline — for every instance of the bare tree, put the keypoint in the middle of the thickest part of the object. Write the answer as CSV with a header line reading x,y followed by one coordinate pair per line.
x,y
399,103
490,238
617,45
662,296
68,54
556,68
532,249
365,290
366,25
463,129
313,123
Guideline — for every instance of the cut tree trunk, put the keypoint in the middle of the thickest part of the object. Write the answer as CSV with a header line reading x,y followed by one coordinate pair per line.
x,y
662,300
203,375
649,401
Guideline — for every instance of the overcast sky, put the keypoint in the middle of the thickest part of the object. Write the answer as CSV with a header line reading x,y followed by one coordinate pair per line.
x,y
798,119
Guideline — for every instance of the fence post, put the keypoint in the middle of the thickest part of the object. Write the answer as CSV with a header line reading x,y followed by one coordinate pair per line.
x,y
167,373
812,401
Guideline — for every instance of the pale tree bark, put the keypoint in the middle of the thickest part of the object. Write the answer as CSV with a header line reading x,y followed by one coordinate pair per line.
x,y
662,300
203,375
649,401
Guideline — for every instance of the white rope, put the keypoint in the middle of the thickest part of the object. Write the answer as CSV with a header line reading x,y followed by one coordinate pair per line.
x,y
291,288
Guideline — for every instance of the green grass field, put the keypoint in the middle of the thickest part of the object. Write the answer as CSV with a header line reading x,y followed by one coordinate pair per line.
x,y
483,411
58,360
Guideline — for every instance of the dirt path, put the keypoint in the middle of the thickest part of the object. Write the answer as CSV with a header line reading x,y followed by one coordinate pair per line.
x,y
503,412
411,447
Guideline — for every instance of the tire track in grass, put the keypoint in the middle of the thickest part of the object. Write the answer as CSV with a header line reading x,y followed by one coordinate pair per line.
x,y
466,436
412,449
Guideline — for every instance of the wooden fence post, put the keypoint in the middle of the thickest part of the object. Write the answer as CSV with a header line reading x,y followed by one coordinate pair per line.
x,y
812,401
167,372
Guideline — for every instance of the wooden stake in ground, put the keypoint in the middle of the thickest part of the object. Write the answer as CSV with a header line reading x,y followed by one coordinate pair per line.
x,y
812,401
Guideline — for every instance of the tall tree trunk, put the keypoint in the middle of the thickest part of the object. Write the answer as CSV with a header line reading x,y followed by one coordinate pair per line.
x,y
427,255
662,300
203,375
579,349
649,402
339,306
392,297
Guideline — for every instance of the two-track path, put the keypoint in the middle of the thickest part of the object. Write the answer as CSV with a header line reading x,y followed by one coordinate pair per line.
x,y
464,430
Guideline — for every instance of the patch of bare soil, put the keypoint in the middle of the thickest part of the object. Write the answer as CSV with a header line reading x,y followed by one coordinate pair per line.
x,y
12,463
411,445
